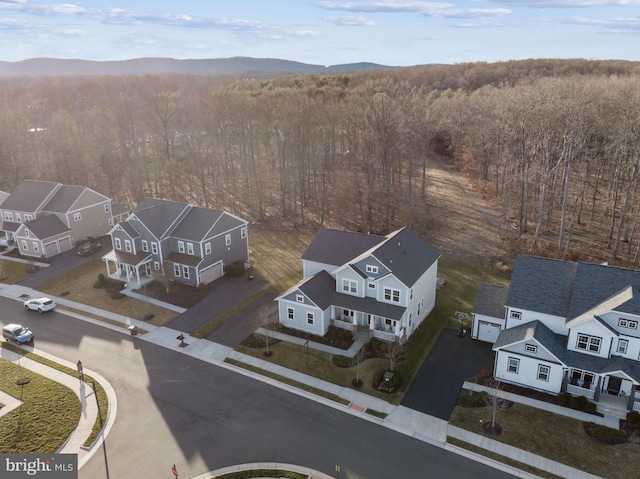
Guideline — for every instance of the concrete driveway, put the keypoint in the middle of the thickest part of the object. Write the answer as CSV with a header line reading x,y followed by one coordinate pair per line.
x,y
436,387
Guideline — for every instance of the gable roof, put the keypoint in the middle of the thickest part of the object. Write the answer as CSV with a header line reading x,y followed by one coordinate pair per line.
x,y
490,299
159,216
202,223
337,247
64,199
406,255
30,195
46,226
541,284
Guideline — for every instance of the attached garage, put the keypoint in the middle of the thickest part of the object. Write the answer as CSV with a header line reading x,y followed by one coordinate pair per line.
x,y
488,331
211,273
58,246
488,312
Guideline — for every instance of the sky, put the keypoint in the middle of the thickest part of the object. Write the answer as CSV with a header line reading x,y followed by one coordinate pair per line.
x,y
323,32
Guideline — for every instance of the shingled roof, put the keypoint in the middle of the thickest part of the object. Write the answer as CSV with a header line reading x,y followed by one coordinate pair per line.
x,y
30,195
159,216
490,300
337,247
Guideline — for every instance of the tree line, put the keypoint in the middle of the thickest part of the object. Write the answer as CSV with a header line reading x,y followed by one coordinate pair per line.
x,y
553,145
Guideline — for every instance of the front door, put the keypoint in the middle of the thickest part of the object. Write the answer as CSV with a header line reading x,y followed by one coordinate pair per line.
x,y
613,386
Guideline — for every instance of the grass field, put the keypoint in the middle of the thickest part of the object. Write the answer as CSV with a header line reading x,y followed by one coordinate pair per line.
x,y
555,437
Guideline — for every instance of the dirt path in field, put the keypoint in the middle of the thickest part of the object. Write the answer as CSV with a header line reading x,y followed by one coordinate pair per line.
x,y
458,222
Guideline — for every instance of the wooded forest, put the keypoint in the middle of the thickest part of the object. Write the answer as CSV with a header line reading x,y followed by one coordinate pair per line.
x,y
552,145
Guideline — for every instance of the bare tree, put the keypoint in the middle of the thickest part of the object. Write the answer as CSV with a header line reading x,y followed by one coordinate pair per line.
x,y
394,352
495,400
267,326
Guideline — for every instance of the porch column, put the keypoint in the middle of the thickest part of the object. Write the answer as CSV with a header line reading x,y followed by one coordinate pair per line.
x,y
632,398
596,394
138,275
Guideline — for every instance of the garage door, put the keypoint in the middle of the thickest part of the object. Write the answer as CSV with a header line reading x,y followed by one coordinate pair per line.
x,y
51,249
211,273
64,244
488,331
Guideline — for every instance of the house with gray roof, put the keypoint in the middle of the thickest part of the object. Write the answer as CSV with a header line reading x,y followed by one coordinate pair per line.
x,y
569,327
175,241
381,286
45,218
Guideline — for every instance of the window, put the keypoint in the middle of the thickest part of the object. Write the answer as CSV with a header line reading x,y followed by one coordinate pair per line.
x,y
513,365
24,245
392,295
185,272
27,233
623,345
117,243
628,323
349,286
77,216
516,315
189,248
531,348
154,248
145,245
243,232
156,266
420,305
290,315
207,248
110,221
181,246
372,285
35,247
299,298
18,218
543,372
310,318
106,208
588,343
28,217
582,378
176,270
127,246
411,294
227,239
372,269
8,216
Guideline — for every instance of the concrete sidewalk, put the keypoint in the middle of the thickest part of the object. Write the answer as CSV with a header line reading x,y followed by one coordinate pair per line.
x,y
404,420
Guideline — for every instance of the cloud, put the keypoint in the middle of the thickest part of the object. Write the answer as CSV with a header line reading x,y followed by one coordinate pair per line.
x,y
428,9
620,25
568,3
353,20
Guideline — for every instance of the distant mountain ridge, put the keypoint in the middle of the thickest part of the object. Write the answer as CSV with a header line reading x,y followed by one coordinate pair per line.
x,y
233,66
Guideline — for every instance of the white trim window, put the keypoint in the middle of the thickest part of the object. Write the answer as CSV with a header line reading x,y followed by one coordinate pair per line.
x,y
588,343
176,270
106,208
531,348
77,216
310,318
8,216
156,265
207,248
36,249
18,218
515,315
623,346
391,294
227,239
243,232
185,272
628,323
28,217
145,246
291,316
117,244
543,372
299,298
190,248
181,246
127,246
372,269
154,247
349,286
24,245
513,365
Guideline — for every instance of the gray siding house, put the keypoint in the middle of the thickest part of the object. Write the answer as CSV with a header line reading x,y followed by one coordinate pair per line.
x,y
176,241
44,218
380,286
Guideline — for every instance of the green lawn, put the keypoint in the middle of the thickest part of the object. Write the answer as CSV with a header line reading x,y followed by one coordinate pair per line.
x,y
48,415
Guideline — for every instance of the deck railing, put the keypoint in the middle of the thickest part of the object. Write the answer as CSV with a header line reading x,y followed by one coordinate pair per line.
x,y
578,391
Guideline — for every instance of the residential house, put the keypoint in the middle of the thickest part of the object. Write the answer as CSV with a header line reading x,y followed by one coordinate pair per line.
x,y
45,218
177,242
382,286
569,327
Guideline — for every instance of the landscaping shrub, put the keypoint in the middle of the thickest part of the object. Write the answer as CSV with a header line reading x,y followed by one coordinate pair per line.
x,y
473,400
254,341
235,269
581,402
101,282
633,418
562,399
342,361
604,434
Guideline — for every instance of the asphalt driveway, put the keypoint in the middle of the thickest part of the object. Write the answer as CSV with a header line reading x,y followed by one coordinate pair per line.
x,y
436,387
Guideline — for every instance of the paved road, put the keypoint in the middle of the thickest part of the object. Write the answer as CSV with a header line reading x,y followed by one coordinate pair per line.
x,y
436,387
173,409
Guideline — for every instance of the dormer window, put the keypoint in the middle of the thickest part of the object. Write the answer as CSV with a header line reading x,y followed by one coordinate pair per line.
x,y
372,269
531,348
516,315
299,298
628,323
349,286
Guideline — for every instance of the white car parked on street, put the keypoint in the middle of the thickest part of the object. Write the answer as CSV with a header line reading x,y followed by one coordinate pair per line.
x,y
39,304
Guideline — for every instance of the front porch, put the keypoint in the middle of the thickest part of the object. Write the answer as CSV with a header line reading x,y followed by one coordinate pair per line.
x,y
367,325
134,270
612,394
